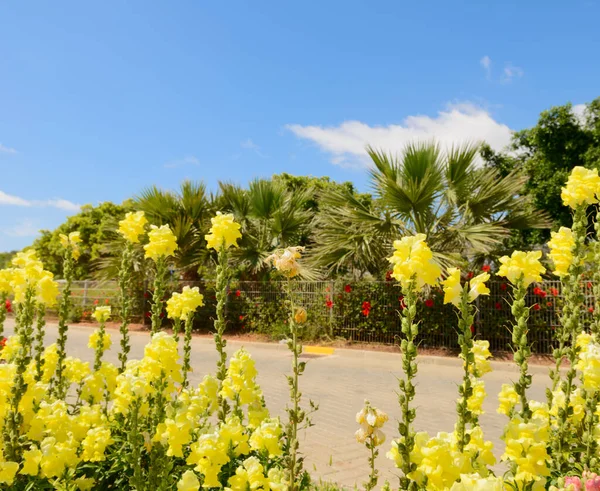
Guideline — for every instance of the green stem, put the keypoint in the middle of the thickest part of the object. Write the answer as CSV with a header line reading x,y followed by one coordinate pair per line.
x,y
158,294
408,348
59,384
39,342
465,341
219,324
187,348
520,343
99,346
125,293
373,474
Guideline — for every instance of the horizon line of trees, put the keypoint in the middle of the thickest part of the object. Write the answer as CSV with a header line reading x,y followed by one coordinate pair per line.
x,y
472,202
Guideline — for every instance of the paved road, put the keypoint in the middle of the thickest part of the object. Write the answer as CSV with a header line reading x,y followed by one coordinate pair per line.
x,y
339,383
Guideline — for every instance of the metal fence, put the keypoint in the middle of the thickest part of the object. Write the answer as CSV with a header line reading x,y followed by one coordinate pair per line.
x,y
357,311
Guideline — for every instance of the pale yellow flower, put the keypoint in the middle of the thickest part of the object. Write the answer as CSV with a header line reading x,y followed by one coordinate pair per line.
x,y
102,314
413,260
132,226
581,188
452,287
162,242
286,260
72,240
561,250
478,287
224,231
522,264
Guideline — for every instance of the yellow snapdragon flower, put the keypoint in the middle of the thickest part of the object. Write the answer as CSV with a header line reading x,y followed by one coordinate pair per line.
x,y
474,482
188,482
225,231
250,475
31,462
453,289
267,437
72,240
589,366
525,264
412,259
581,187
95,338
508,399
8,471
475,401
5,279
561,250
182,305
478,287
481,352
132,226
47,289
102,314
162,242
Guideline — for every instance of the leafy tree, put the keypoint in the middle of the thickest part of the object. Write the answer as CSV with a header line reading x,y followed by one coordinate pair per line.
x,y
546,154
464,209
188,213
5,259
96,225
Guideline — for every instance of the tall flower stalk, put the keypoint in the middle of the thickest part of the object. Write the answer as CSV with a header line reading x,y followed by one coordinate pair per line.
x,y
38,348
223,234
99,339
371,420
160,246
131,227
475,363
71,254
413,268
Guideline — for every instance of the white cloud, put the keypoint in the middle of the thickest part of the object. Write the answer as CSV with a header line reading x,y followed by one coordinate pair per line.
x,y
187,160
61,204
511,72
486,63
25,229
465,122
4,149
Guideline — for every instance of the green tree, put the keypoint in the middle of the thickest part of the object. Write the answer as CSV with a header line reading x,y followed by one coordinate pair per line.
x,y
6,258
96,225
464,209
272,216
546,154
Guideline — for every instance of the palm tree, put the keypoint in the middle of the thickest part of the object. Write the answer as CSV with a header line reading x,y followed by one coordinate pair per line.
x,y
271,216
466,210
188,213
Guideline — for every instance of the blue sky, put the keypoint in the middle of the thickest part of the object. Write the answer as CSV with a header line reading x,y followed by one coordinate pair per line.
x,y
100,99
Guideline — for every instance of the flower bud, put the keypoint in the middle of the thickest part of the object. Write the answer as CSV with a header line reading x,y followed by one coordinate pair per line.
x,y
300,315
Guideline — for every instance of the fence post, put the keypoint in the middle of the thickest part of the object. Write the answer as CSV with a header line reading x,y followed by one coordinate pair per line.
x,y
331,289
85,292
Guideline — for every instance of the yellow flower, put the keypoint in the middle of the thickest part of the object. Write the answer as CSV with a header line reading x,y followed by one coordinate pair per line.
x,y
452,288
526,264
8,470
85,483
285,261
224,231
474,482
478,286
95,443
508,399
132,226
5,279
250,475
162,242
188,482
481,352
561,250
102,314
267,437
31,462
412,259
182,305
95,338
589,365
475,401
47,289
72,240
581,187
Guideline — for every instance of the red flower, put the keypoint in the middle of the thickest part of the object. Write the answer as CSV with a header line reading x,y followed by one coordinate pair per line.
x,y
498,306
347,288
548,304
96,302
402,303
536,306
388,276
554,292
241,317
589,284
328,303
538,291
486,268
107,301
327,289
148,314
472,329
8,306
366,308
3,342
429,302
591,310
238,293
503,287
469,275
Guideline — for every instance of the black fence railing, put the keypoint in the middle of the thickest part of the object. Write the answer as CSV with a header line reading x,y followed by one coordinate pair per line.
x,y
360,311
